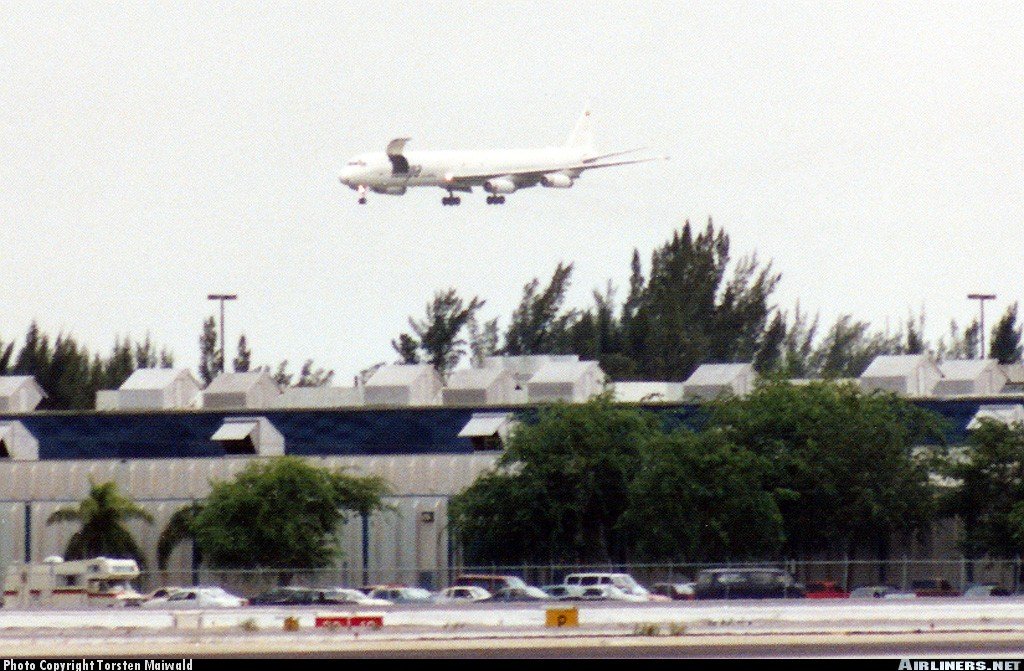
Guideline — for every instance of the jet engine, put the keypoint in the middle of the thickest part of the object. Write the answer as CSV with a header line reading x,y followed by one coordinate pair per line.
x,y
500,185
556,180
389,190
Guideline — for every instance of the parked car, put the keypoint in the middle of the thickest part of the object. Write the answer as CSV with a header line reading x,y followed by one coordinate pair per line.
x,y
933,587
609,593
401,594
622,581
515,594
825,589
347,595
198,597
158,595
491,583
469,594
747,583
285,596
674,590
562,592
985,591
881,592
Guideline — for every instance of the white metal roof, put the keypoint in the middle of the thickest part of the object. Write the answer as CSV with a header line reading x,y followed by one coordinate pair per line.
x,y
563,371
6,428
483,424
12,383
474,378
235,383
1007,414
399,375
235,430
636,392
155,378
1014,372
896,365
966,369
719,373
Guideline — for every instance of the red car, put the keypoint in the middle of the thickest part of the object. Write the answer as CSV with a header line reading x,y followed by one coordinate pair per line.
x,y
825,589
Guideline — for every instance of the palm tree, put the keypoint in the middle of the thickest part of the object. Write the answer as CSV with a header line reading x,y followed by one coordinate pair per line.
x,y
102,514
179,528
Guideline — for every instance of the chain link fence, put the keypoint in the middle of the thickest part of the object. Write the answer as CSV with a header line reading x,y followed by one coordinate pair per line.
x,y
901,573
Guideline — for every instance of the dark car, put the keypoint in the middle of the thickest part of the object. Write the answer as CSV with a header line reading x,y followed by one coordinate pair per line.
x,y
747,583
516,594
985,591
933,587
677,591
286,596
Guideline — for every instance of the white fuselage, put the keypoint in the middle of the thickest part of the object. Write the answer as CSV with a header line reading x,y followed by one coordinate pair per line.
x,y
436,168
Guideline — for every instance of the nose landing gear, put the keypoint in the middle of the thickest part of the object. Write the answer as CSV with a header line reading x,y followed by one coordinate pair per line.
x,y
362,194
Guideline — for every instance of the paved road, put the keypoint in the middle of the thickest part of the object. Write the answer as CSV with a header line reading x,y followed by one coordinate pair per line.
x,y
941,644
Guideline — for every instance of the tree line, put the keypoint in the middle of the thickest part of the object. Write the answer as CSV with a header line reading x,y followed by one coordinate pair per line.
x,y
692,304
790,471
69,374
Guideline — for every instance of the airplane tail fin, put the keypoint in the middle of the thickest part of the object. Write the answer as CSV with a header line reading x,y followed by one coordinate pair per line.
x,y
582,136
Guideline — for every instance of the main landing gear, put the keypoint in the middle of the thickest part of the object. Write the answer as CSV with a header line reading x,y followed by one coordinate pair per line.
x,y
451,199
495,200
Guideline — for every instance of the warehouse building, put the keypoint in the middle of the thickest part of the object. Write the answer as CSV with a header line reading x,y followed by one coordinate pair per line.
x,y
166,458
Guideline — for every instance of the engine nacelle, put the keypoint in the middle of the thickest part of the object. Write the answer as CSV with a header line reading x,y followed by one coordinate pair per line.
x,y
500,185
556,180
389,190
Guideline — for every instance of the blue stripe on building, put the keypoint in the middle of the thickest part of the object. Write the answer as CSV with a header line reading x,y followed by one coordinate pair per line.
x,y
330,432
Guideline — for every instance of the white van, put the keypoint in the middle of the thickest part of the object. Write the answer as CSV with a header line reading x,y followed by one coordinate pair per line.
x,y
623,581
57,583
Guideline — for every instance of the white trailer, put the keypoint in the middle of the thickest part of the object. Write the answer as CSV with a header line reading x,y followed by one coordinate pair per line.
x,y
99,582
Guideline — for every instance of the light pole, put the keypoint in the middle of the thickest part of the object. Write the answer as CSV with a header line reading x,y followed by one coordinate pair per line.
x,y
222,298
981,298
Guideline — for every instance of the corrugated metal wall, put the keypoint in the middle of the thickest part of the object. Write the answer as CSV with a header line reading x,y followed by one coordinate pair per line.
x,y
401,539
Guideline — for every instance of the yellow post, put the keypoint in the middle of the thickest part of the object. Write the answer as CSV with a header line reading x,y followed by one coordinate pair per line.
x,y
562,617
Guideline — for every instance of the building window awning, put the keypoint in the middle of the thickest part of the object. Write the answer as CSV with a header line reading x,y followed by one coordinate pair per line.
x,y
485,425
235,431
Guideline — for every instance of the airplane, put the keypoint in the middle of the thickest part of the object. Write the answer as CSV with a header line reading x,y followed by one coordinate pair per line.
x,y
498,172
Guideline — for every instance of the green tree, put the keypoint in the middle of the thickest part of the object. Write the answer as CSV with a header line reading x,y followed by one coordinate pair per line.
x,y
848,348
698,497
210,363
769,355
281,514
560,489
844,471
180,527
313,377
686,316
243,360
1006,338
483,340
438,334
987,491
102,515
538,323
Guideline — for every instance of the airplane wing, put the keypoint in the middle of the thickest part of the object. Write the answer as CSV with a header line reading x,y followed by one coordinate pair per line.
x,y
533,175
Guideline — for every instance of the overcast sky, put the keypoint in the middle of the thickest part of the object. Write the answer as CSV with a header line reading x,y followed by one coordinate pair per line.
x,y
152,153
